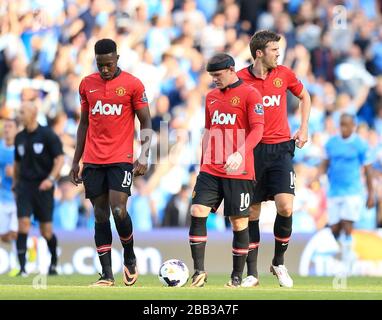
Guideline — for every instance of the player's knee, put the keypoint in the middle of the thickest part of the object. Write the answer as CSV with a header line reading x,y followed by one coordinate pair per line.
x,y
199,211
47,234
118,213
239,223
24,226
254,212
285,210
101,215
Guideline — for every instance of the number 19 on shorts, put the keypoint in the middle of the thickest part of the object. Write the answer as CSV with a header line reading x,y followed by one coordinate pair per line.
x,y
127,179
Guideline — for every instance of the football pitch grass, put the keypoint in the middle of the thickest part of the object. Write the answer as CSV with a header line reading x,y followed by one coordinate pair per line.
x,y
148,287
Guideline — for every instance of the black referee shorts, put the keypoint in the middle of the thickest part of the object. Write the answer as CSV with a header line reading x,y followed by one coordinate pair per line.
x,y
211,190
274,170
100,178
29,199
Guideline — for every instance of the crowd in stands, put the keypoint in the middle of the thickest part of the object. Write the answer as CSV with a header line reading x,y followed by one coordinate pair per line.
x,y
334,47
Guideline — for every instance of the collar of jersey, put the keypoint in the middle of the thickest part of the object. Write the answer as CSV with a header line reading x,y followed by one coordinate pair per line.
x,y
349,138
233,85
250,68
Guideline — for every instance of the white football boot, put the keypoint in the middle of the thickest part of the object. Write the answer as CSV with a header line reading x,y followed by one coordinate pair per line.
x,y
282,275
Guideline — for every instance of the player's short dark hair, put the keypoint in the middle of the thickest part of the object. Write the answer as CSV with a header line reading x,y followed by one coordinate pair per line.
x,y
220,61
260,40
105,46
348,116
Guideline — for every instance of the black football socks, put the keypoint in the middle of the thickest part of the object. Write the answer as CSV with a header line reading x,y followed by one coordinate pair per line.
x,y
103,239
198,240
253,248
282,231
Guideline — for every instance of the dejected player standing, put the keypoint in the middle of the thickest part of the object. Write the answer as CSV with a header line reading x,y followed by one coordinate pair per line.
x,y
346,155
234,121
273,156
110,100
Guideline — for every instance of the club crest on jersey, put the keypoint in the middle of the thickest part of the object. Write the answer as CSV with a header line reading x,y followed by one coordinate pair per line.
x,y
278,82
38,147
259,108
120,91
235,101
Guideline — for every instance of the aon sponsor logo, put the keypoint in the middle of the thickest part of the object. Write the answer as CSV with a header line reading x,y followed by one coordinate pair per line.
x,y
271,101
223,118
107,109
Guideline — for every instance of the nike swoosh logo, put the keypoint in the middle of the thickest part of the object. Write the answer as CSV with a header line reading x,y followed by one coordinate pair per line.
x,y
102,254
284,244
91,91
213,101
242,209
195,243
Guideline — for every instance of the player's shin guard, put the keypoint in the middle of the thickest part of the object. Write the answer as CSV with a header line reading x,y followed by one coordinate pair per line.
x,y
282,231
103,239
125,231
253,249
198,239
52,246
239,251
21,246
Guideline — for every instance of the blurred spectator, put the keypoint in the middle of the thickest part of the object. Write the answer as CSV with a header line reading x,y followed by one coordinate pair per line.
x,y
176,213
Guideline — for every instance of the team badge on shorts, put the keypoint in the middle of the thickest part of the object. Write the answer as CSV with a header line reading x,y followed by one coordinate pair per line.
x,y
120,91
235,101
278,82
259,108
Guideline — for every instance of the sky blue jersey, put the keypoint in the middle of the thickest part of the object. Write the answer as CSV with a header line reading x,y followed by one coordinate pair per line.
x,y
346,158
6,158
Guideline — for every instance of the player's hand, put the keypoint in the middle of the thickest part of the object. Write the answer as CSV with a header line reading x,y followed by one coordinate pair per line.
x,y
301,137
140,167
370,201
233,162
45,185
74,172
9,170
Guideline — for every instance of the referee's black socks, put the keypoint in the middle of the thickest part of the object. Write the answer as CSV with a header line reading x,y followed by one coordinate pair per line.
x,y
282,231
21,246
52,246
198,239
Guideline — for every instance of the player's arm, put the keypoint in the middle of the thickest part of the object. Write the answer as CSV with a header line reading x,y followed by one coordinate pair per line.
x,y
301,136
295,86
80,145
48,183
206,152
369,185
81,136
255,113
144,117
56,151
16,175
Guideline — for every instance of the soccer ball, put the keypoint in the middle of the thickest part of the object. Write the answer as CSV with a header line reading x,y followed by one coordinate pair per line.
x,y
173,273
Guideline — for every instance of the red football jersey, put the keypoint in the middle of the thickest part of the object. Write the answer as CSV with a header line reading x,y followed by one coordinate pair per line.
x,y
111,105
230,115
274,91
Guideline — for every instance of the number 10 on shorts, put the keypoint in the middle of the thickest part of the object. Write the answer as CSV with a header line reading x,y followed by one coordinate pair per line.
x,y
244,201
